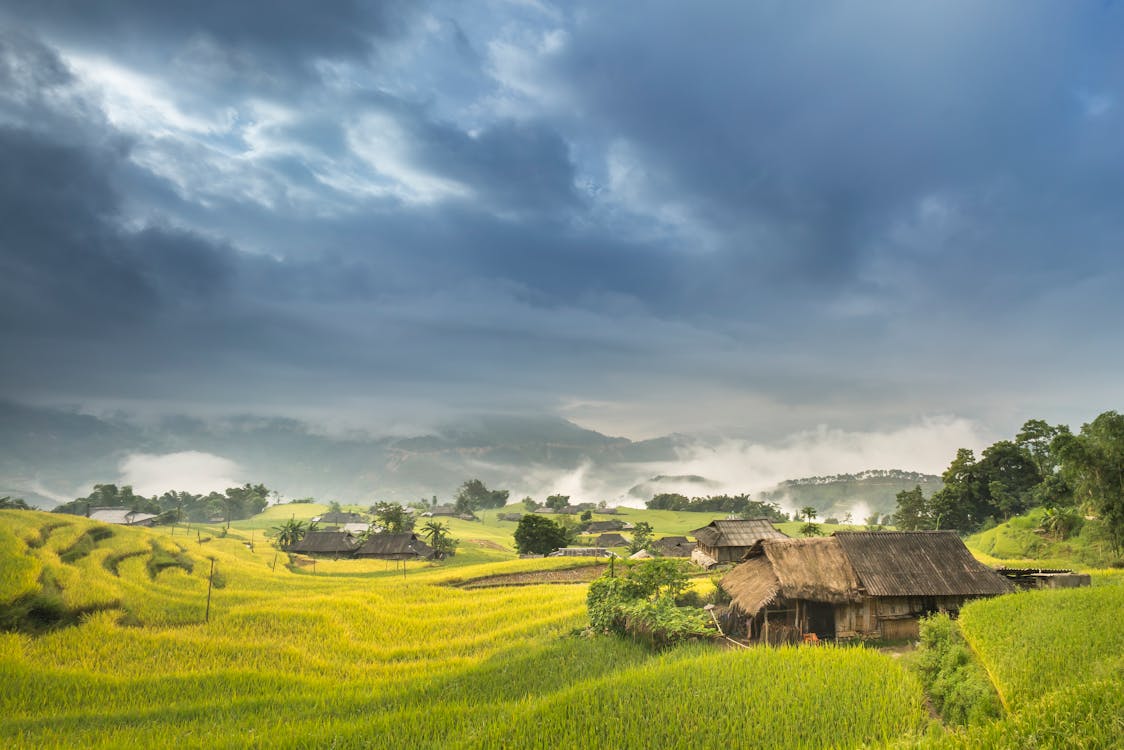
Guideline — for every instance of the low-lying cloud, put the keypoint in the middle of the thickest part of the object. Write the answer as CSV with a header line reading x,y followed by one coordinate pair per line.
x,y
190,471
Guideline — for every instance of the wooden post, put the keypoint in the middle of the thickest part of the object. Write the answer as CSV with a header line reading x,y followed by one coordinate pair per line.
x,y
210,583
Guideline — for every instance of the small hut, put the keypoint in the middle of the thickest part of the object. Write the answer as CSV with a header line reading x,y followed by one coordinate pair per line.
x,y
600,527
730,540
673,546
854,584
403,546
611,540
333,543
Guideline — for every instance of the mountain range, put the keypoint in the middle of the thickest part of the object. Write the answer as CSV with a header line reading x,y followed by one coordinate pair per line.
x,y
51,455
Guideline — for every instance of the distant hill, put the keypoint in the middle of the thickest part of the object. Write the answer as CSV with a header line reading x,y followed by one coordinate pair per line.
x,y
837,495
55,453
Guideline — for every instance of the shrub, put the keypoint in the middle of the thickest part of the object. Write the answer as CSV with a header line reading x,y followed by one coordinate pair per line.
x,y
956,683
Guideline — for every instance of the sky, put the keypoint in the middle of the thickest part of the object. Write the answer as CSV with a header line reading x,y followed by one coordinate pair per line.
x,y
759,219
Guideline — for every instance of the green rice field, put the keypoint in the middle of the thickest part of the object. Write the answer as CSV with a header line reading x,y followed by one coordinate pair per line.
x,y
360,653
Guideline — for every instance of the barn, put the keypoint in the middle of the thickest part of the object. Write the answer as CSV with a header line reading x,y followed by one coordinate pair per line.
x,y
853,585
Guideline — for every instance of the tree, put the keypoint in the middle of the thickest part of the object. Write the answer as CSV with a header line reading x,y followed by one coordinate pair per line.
x,y
392,517
530,504
538,535
557,502
13,503
913,512
1093,464
809,513
641,537
473,496
437,534
289,533
335,507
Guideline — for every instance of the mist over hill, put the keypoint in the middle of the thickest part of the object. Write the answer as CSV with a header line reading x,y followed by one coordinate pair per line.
x,y
50,455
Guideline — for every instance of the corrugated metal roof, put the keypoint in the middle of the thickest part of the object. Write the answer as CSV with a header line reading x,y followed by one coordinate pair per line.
x,y
918,563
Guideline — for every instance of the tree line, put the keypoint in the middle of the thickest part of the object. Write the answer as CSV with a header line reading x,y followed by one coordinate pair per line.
x,y
740,505
233,504
1071,476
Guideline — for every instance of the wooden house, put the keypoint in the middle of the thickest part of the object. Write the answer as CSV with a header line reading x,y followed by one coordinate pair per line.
x,y
403,546
730,540
333,543
853,584
673,546
610,540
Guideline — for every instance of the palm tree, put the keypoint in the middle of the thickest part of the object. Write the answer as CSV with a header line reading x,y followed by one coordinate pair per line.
x,y
437,534
289,533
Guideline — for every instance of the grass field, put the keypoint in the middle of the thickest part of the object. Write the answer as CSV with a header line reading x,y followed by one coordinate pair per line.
x,y
353,653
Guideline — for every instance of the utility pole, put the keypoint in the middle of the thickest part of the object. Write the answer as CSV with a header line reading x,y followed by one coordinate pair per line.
x,y
210,582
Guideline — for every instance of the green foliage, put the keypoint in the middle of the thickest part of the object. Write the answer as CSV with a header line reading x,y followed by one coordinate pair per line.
x,y
642,537
913,512
1093,464
642,604
13,503
289,533
557,502
740,505
811,529
473,495
438,537
392,517
538,535
956,683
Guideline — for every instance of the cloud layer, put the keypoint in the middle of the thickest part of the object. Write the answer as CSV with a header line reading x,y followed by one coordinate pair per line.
x,y
745,218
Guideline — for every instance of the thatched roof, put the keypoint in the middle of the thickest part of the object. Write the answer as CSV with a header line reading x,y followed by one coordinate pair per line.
x,y
918,563
814,569
598,527
404,546
673,546
736,533
325,543
848,565
611,540
123,516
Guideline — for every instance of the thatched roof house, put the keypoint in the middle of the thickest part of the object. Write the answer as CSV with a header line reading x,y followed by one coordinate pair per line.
x,y
600,527
337,543
404,546
673,546
611,540
730,540
868,584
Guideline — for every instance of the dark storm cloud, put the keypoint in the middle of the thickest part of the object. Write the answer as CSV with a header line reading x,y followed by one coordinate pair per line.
x,y
280,31
814,209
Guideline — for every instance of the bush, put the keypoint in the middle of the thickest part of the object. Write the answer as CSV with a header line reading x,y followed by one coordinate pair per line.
x,y
643,604
956,683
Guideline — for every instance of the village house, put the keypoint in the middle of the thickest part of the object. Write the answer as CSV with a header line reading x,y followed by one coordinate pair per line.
x,y
403,546
673,546
333,543
611,540
729,540
853,584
